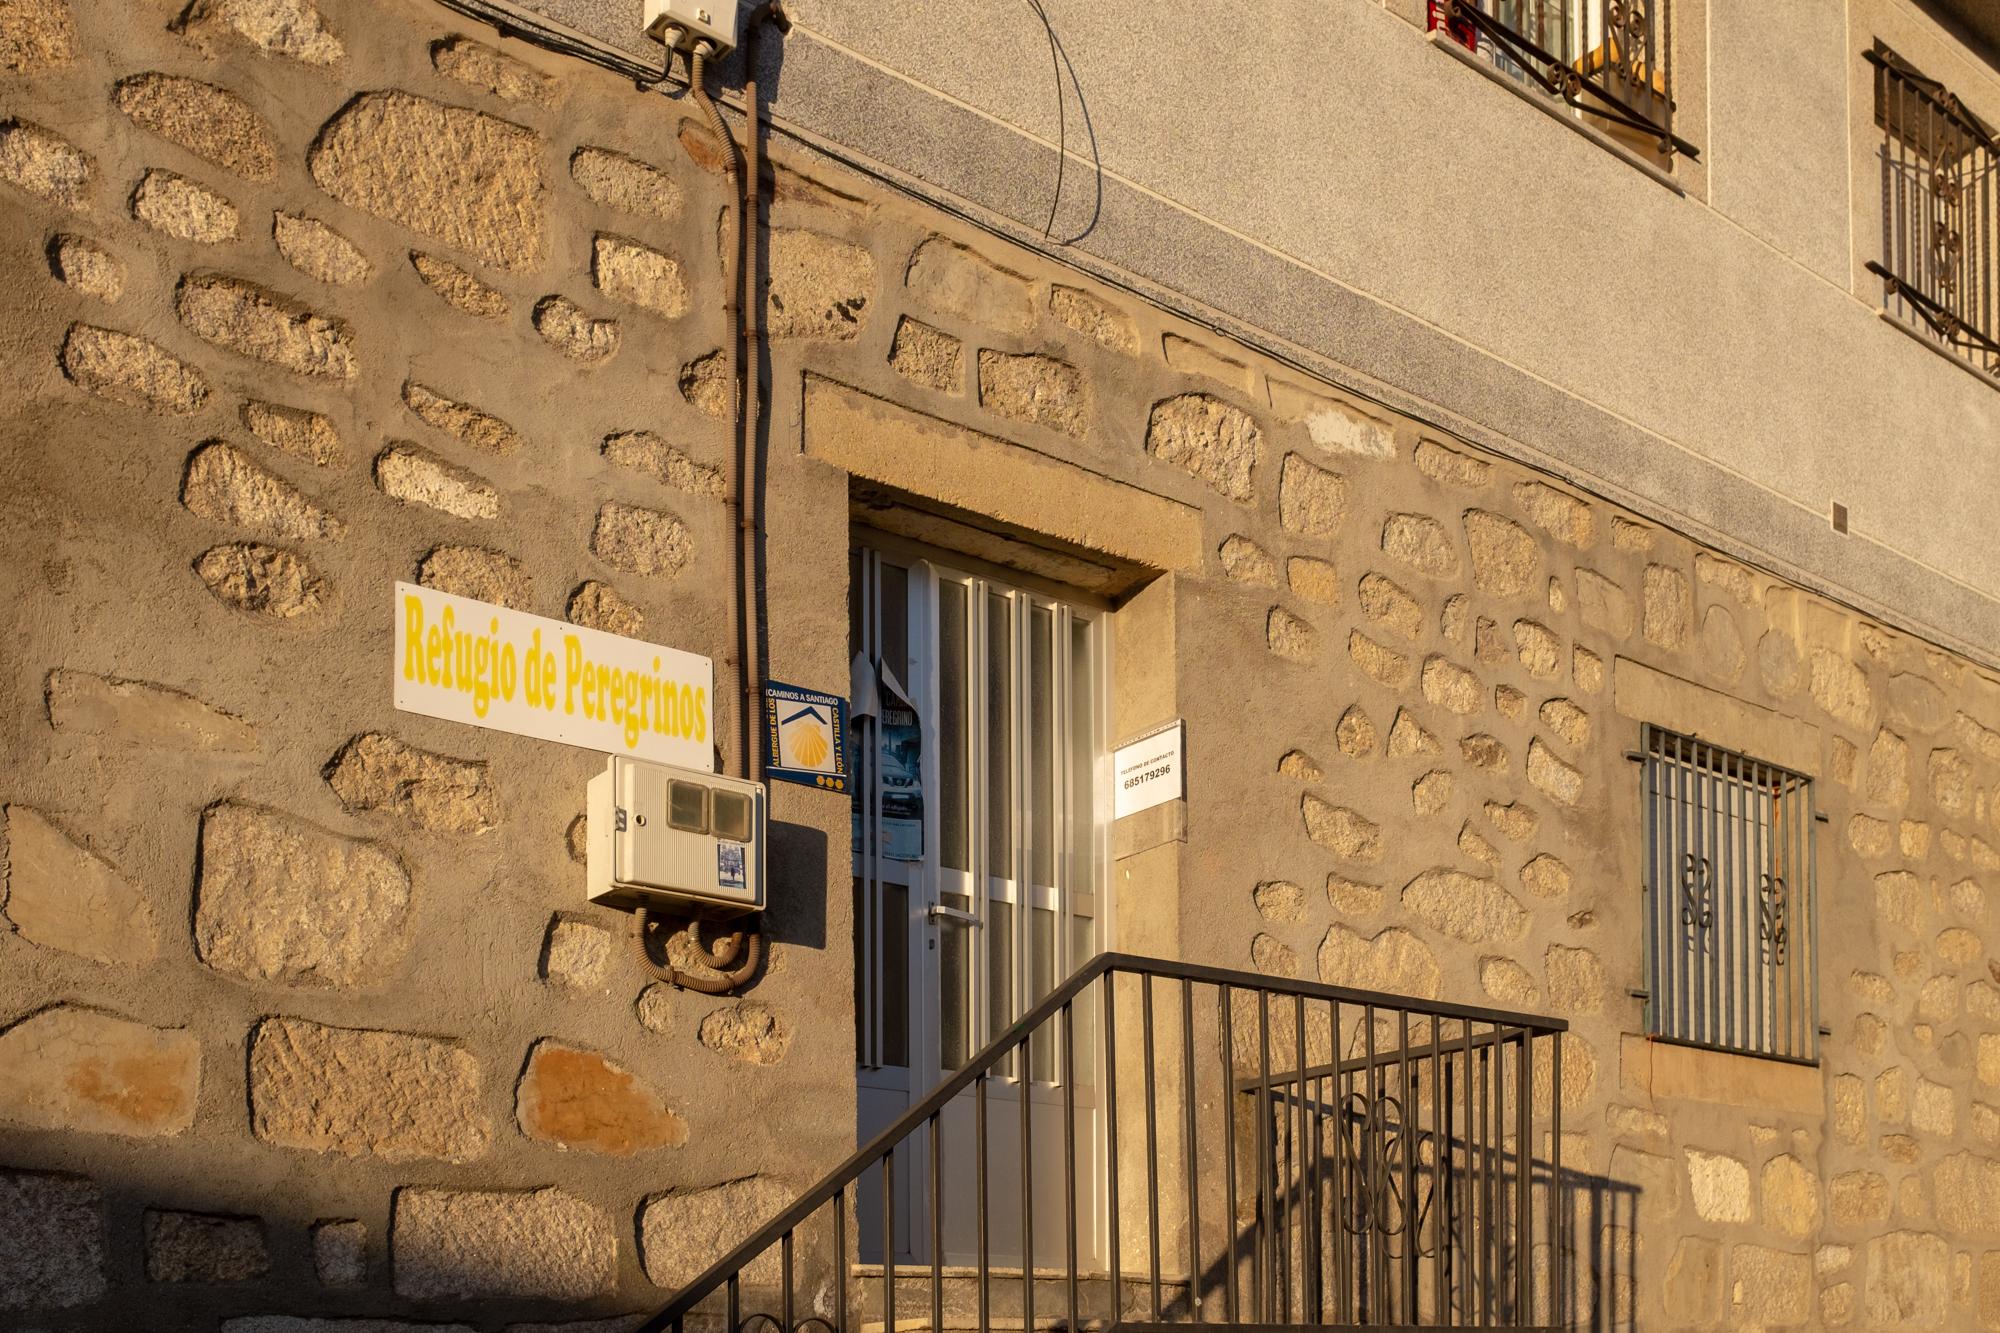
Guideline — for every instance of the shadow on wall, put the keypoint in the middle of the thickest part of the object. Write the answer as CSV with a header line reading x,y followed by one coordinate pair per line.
x,y
1599,1266
97,1239
111,1235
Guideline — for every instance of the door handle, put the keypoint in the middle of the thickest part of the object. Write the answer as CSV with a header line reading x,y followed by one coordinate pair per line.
x,y
939,912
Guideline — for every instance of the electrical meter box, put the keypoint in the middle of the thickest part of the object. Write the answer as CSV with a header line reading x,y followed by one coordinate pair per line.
x,y
682,23
662,837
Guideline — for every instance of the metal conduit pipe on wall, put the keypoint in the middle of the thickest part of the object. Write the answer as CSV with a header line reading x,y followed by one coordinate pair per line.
x,y
737,955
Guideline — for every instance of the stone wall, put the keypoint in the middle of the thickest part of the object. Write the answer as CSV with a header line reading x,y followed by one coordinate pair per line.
x,y
302,1011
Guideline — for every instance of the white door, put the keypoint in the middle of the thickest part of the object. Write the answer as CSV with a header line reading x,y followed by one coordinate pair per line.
x,y
979,863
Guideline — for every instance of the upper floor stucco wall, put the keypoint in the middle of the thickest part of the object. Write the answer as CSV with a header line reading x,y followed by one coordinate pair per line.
x,y
1316,172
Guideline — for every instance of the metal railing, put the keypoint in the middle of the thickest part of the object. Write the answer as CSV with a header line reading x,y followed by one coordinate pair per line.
x,y
1264,1152
1609,60
1940,235
1733,960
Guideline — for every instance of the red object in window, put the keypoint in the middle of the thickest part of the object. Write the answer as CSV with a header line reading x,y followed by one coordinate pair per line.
x,y
1459,30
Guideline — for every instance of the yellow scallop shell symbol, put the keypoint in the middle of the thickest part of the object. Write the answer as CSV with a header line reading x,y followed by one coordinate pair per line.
x,y
811,747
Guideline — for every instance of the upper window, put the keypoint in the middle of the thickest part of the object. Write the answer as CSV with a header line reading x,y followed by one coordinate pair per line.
x,y
1607,60
1940,264
1732,956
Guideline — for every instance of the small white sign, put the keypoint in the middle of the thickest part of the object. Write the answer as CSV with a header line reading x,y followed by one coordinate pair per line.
x,y
1149,770
488,666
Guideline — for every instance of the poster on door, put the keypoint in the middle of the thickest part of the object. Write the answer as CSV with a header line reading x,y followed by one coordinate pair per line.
x,y
899,760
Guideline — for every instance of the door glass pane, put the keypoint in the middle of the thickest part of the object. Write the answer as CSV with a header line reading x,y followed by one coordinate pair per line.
x,y
999,737
862,1040
1042,978
952,851
954,984
1083,947
1082,764
896,621
999,971
895,975
1041,745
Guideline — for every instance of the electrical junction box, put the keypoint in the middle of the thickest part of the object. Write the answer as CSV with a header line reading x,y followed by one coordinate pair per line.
x,y
682,23
662,837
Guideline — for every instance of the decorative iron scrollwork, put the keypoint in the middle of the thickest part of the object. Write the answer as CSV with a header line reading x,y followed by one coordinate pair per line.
x,y
1371,1166
1697,900
1773,918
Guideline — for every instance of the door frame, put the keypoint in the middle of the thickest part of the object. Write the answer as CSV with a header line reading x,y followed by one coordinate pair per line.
x,y
928,569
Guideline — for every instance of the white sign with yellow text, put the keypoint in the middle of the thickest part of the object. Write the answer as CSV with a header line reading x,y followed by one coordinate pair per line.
x,y
488,666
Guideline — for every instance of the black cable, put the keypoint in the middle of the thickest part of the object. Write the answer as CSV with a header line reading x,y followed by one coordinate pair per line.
x,y
1062,112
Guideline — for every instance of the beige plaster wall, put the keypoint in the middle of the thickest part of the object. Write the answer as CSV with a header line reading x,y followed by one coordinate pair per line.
x,y
1733,327
293,980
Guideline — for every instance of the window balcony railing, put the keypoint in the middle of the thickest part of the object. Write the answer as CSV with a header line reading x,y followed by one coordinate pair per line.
x,y
1940,242
1608,60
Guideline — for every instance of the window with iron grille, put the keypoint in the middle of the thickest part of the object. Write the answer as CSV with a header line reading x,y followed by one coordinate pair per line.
x,y
1732,957
1940,244
1608,61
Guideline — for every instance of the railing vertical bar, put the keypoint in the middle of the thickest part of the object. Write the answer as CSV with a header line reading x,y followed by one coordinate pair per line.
x,y
1376,1230
1026,1085
1467,1277
1800,945
1069,1160
1665,55
1733,931
1409,1144
1556,1203
1264,1202
1227,1020
732,1303
937,1222
888,1242
1713,797
1489,1169
1319,1169
1649,784
1281,1169
1191,1156
1152,1140
1686,873
1116,1256
1764,855
1524,1176
1342,1305
1308,1258
1787,865
785,1277
840,1273
1440,1145
1809,822
979,1170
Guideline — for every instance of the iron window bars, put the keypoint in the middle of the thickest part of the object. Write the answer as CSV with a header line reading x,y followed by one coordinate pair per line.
x,y
1732,921
1608,59
1939,238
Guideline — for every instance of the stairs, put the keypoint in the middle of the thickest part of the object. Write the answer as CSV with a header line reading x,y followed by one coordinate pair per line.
x,y
1368,1152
